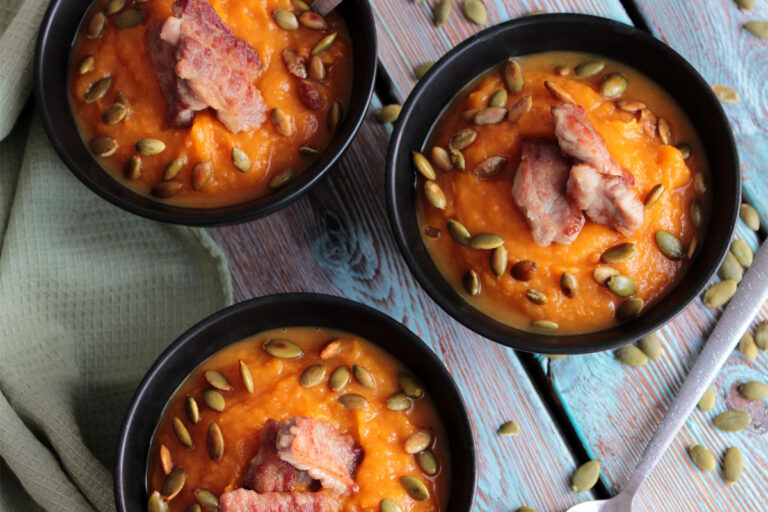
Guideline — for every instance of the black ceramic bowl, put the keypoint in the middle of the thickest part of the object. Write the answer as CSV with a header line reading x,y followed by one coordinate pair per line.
x,y
57,34
571,32
299,309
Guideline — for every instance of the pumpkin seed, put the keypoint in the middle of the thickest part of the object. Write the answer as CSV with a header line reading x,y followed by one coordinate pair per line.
x,y
324,44
537,296
422,69
485,241
490,167
745,4
240,160
103,146
148,146
173,483
410,385
613,85
475,11
698,183
697,214
589,68
96,26
427,462
692,248
622,285
285,19
523,270
86,64
742,253
702,457
630,308
130,18
707,400
747,346
719,294
172,169
192,410
754,390
462,139
121,97
339,378
498,99
418,441
558,92
415,488
166,189
207,499
664,131
508,428
398,402
353,401
563,70
457,230
733,464
283,349
490,115
469,115
215,442
423,166
757,28
389,114
684,149
441,158
602,274
217,380
442,12
730,269
114,113
214,399
311,19
201,175
654,194
281,121
301,5
98,89
363,376
157,503
545,325
317,69
631,106
282,178
195,507
245,376
619,253
113,6
308,152
586,476
498,261
334,116
471,282
166,459
294,63
525,509
725,93
733,420
750,216
669,245
569,285
522,106
513,76
388,505
651,346
312,376
457,159
331,349
761,336
632,356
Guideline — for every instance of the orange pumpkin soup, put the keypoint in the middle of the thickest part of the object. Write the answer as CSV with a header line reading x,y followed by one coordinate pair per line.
x,y
606,211
226,134
270,420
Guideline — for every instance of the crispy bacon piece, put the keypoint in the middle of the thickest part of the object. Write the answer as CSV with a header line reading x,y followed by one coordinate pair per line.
x,y
317,448
269,473
242,500
539,191
212,67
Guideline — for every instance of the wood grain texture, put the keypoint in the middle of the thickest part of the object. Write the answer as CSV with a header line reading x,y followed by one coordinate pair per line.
x,y
337,240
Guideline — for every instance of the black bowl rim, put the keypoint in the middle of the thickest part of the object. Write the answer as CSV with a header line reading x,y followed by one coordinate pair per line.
x,y
453,304
234,214
346,305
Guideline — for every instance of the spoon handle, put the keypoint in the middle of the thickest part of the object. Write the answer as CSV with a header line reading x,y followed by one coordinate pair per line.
x,y
749,298
323,7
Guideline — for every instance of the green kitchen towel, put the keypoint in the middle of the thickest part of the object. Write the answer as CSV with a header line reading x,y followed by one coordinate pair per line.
x,y
89,296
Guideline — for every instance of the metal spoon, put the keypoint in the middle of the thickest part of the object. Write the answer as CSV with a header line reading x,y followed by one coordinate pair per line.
x,y
749,298
323,7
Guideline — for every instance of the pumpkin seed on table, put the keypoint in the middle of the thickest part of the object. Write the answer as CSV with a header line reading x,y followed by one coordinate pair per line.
x,y
442,12
214,400
733,465
339,378
312,375
537,296
388,505
285,19
422,69
630,308
545,325
173,483
441,158
166,189
669,245
415,488
651,346
725,93
462,139
157,503
166,460
522,106
471,282
313,20
750,216
98,89
418,441
632,356
172,169
475,11
486,241
703,458
523,270
388,113
747,346
742,253
719,294
761,336
498,99
757,28
569,285
363,376
103,146
586,476
245,376
282,348
192,410
489,115
731,269
215,442
317,69
508,428
733,420
558,92
149,146
130,18
114,113
498,261
410,385
664,130
399,402
490,167
654,194
589,68
754,390
427,462
96,26
457,159
113,6
324,44
458,232
207,499
613,85
423,166
353,401
602,274
619,253
86,64
707,400
513,76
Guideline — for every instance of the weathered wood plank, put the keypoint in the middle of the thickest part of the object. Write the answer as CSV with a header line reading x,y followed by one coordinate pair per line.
x,y
337,240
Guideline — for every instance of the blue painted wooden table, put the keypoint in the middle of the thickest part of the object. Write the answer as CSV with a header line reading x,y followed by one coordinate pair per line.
x,y
337,240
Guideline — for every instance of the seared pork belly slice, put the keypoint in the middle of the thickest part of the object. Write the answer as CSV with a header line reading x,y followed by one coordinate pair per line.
x,y
579,140
605,199
539,191
268,473
242,500
319,449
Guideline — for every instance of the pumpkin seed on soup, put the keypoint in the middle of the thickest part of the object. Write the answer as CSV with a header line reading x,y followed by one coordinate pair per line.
x,y
498,99
619,253
537,296
192,410
215,442
621,285
435,195
545,325
85,64
172,169
523,270
157,503
654,194
569,285
353,401
96,26
388,505
207,499
458,232
98,89
602,274
410,385
441,158
313,20
240,160
613,85
669,245
423,166
214,400
245,376
427,462
589,68
312,376
103,146
130,18
418,441
399,402
331,349
513,76
173,483
114,113
685,150
522,106
217,380
499,261
664,130
486,241
182,434
324,44
166,189
149,146
166,459
201,175
285,19
363,376
339,378
462,139
490,167
282,178
457,159
558,92
415,488
489,115
630,309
